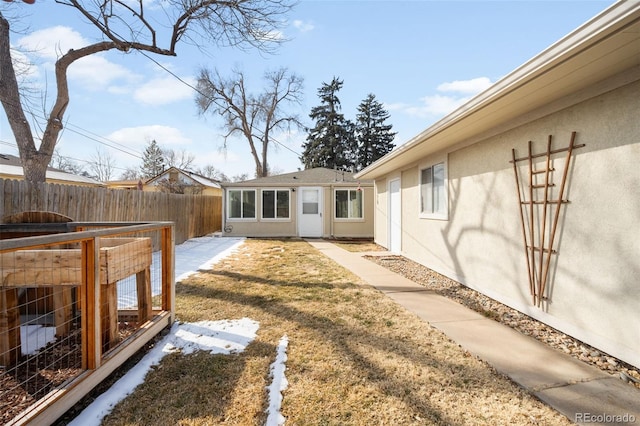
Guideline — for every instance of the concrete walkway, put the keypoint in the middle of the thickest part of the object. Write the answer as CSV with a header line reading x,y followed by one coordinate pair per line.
x,y
583,393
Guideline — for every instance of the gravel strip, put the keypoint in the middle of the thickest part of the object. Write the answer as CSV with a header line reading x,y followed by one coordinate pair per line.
x,y
508,316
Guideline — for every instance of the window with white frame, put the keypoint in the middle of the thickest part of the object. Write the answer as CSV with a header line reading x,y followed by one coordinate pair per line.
x,y
275,204
433,199
349,204
241,204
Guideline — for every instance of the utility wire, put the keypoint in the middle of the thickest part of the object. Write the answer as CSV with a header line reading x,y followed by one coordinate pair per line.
x,y
195,89
124,149
83,132
104,143
90,162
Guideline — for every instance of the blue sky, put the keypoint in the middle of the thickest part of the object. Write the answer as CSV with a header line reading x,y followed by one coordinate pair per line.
x,y
421,59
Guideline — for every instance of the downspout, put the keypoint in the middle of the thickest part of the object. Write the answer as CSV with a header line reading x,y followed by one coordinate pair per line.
x,y
224,211
331,195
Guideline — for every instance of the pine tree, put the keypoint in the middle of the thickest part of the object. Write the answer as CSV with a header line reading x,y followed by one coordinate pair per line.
x,y
330,143
152,160
374,138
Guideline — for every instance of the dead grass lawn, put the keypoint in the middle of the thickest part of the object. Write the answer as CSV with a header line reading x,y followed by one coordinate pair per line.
x,y
354,356
358,246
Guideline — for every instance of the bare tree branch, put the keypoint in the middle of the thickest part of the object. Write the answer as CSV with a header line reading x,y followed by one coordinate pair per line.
x,y
179,159
255,117
125,27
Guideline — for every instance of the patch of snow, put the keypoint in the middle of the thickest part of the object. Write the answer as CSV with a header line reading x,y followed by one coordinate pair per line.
x,y
191,256
216,337
219,337
278,384
203,253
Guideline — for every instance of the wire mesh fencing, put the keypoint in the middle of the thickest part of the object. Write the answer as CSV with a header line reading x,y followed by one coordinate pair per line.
x,y
69,302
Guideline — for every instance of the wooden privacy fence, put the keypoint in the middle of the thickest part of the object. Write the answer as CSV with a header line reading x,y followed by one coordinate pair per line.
x,y
193,215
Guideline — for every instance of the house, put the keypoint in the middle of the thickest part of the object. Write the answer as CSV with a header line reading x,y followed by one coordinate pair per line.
x,y
180,181
530,192
315,202
129,184
11,168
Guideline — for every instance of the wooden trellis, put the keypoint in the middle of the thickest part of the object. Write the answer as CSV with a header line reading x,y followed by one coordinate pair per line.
x,y
540,209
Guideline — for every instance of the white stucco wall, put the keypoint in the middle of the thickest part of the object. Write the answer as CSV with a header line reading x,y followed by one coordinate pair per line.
x,y
594,287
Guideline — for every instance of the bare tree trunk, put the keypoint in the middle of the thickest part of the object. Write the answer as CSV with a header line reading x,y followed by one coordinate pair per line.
x,y
254,154
54,123
265,166
34,164
36,160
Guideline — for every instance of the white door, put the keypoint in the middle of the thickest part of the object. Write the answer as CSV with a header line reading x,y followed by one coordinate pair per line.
x,y
395,217
310,212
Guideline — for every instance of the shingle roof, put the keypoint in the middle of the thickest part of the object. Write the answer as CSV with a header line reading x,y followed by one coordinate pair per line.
x,y
316,176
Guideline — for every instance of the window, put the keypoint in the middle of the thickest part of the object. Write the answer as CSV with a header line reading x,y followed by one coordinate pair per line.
x,y
349,204
242,204
310,201
275,204
433,200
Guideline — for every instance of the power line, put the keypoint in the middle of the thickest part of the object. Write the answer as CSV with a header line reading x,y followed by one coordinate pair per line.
x,y
110,143
12,145
122,148
90,162
104,143
133,152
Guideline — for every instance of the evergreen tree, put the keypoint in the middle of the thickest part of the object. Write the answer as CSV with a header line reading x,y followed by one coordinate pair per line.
x,y
330,143
152,161
374,137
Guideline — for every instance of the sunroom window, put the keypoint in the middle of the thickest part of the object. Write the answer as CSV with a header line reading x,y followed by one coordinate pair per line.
x,y
349,204
275,204
242,204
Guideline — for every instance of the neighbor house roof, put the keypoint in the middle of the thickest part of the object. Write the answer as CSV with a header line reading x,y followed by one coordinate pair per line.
x,y
605,46
191,175
11,166
318,176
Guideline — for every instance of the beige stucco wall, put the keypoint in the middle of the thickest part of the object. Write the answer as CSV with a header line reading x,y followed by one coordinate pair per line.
x,y
259,227
332,227
349,228
381,224
594,287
